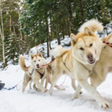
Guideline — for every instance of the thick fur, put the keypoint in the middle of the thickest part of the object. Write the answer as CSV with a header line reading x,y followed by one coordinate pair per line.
x,y
59,50
80,60
104,65
93,24
22,63
31,73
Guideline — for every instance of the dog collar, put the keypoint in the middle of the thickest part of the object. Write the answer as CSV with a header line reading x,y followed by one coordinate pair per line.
x,y
109,44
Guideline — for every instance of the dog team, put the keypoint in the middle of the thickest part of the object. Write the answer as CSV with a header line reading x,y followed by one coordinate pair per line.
x,y
87,58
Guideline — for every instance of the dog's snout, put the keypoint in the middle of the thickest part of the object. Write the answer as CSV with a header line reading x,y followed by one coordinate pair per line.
x,y
37,65
90,56
91,59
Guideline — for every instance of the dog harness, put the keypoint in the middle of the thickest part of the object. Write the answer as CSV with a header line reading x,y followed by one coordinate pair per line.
x,y
65,65
90,71
41,74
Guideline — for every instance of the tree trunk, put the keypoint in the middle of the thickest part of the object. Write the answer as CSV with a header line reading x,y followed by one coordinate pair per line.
x,y
47,30
2,36
81,10
10,24
47,47
20,26
57,33
71,16
63,34
14,28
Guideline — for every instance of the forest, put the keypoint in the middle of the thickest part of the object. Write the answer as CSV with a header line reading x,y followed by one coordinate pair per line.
x,y
28,23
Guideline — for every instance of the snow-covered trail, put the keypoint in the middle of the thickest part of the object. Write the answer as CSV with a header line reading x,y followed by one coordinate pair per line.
x,y
60,101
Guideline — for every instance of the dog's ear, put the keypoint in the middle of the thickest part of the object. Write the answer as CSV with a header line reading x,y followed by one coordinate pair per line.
x,y
110,35
32,56
88,31
104,39
73,39
108,38
39,53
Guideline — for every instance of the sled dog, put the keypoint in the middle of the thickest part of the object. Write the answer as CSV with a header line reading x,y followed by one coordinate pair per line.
x,y
104,65
34,72
79,61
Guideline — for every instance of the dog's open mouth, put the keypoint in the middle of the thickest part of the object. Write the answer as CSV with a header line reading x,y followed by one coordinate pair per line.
x,y
38,66
91,61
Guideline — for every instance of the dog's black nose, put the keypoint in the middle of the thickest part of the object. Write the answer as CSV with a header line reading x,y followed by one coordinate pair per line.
x,y
90,56
37,65
91,60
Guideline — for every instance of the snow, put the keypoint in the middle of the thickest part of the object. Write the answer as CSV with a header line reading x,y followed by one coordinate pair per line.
x,y
33,101
61,101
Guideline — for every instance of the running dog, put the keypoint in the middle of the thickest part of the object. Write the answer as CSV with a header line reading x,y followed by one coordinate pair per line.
x,y
34,72
78,62
104,65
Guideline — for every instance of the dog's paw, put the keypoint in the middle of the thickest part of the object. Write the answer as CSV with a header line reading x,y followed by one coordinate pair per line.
x,y
45,90
23,91
50,92
104,104
75,97
62,89
80,92
38,89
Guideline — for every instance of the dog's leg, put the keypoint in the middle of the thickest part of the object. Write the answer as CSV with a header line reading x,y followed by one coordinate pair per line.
x,y
25,82
40,86
97,78
75,88
95,81
46,83
30,83
73,84
53,82
43,79
34,87
102,103
59,88
78,90
36,81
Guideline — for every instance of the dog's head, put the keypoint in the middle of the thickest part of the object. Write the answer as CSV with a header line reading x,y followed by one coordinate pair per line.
x,y
86,46
37,60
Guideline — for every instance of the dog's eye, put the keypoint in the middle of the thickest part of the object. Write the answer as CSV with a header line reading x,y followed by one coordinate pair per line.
x,y
90,45
81,48
34,61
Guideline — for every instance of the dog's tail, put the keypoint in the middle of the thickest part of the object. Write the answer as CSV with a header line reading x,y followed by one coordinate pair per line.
x,y
92,24
22,63
59,50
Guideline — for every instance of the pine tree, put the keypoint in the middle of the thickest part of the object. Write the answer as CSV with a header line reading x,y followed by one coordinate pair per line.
x,y
12,48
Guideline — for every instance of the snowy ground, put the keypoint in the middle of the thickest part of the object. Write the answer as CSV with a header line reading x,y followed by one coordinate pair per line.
x,y
60,101
33,101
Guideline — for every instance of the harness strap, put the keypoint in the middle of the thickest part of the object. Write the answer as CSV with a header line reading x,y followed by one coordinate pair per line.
x,y
90,71
109,44
49,67
10,88
41,74
66,66
31,72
